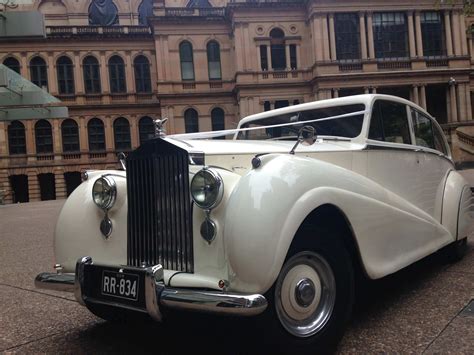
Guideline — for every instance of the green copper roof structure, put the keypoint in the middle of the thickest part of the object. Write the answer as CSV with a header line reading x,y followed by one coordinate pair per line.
x,y
20,99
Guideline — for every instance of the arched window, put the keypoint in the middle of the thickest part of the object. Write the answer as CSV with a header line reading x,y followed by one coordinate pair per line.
x,y
12,63
103,13
191,123
38,72
16,138
65,73
146,129
70,135
122,134
117,75
142,74
277,48
186,59
95,131
214,60
44,137
218,120
91,70
145,10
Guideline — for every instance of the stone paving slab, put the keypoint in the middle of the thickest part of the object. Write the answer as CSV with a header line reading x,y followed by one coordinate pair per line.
x,y
416,310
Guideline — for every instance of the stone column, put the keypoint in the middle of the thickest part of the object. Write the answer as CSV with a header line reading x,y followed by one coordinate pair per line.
x,y
24,66
448,104
57,141
52,77
374,90
30,137
423,96
60,183
129,73
298,57
5,185
453,101
83,136
462,23
419,38
269,59
415,94
319,49
366,90
468,102
287,56
449,38
325,41
457,33
332,37
78,77
411,34
135,141
461,91
104,74
109,133
363,37
34,193
370,35
335,93
259,58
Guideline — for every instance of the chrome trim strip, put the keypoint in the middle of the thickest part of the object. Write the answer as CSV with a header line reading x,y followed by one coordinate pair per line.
x,y
153,288
414,149
54,281
158,296
79,278
213,302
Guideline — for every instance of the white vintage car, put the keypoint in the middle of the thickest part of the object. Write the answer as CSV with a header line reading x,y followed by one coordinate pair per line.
x,y
276,223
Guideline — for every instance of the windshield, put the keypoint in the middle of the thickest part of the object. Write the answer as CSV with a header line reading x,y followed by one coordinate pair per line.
x,y
326,121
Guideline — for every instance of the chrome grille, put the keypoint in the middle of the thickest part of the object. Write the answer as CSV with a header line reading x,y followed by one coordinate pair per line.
x,y
159,207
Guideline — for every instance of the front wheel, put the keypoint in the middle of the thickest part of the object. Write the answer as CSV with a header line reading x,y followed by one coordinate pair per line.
x,y
311,301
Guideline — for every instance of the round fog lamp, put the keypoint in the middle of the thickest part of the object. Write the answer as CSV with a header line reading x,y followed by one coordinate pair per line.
x,y
207,188
208,230
104,192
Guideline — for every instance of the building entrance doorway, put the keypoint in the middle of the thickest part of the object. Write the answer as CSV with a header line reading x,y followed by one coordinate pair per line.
x,y
436,102
47,186
19,185
73,180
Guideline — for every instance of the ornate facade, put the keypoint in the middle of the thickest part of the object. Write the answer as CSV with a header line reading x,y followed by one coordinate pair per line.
x,y
119,64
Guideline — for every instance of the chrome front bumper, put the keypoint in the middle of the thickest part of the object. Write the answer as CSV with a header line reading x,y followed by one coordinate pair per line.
x,y
157,295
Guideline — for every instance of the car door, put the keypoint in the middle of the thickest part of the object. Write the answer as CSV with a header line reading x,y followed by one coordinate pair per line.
x,y
392,160
434,161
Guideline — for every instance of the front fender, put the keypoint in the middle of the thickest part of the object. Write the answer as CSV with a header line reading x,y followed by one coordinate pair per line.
x,y
77,230
269,204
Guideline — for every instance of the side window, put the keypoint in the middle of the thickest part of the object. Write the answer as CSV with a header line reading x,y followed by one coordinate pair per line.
x,y
389,122
423,130
439,140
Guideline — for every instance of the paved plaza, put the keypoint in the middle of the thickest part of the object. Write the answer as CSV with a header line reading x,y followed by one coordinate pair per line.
x,y
423,309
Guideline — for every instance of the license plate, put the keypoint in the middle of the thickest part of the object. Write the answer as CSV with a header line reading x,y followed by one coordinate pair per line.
x,y
120,284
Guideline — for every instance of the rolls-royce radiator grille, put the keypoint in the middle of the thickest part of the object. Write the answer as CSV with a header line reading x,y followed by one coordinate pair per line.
x,y
159,207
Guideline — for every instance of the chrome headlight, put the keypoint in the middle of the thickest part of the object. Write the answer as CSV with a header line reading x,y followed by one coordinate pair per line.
x,y
104,192
207,188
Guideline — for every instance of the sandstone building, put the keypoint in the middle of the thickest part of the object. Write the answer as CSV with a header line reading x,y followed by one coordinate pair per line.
x,y
204,64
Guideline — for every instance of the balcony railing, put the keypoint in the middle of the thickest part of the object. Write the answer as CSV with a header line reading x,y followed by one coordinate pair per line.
x,y
204,12
436,62
394,64
61,31
71,156
350,66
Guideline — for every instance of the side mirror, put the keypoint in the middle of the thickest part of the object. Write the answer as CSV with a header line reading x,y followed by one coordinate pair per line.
x,y
306,136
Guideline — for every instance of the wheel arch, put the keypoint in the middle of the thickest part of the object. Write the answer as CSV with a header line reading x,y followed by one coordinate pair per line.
x,y
331,217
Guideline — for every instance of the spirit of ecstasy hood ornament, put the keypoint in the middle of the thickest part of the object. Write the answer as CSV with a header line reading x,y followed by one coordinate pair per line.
x,y
159,129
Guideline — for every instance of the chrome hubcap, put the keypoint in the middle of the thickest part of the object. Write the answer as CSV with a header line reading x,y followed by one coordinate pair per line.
x,y
305,292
